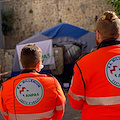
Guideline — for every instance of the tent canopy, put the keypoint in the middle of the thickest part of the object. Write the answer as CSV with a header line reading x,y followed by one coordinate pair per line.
x,y
64,30
73,39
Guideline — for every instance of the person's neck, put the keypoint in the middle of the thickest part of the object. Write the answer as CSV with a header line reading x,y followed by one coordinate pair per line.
x,y
109,42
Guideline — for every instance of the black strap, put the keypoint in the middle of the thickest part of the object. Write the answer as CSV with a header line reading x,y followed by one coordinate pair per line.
x,y
79,67
81,74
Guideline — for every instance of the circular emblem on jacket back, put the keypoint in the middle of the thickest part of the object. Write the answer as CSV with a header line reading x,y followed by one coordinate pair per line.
x,y
113,71
29,92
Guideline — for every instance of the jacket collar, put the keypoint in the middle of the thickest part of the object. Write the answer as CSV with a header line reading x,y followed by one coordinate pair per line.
x,y
109,42
28,71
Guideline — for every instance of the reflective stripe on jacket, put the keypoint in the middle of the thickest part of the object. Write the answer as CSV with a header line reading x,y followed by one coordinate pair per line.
x,y
96,100
32,96
99,98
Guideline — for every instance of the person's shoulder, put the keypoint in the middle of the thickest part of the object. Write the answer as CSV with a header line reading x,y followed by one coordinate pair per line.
x,y
81,56
87,56
50,76
9,80
47,76
7,83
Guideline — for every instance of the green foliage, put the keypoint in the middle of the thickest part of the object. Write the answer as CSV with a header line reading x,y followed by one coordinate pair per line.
x,y
116,5
7,20
60,20
30,11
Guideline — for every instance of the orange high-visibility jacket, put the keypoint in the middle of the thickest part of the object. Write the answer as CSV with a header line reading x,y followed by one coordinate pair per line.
x,y
32,96
95,87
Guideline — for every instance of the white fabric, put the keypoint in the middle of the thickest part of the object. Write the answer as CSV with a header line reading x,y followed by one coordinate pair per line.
x,y
46,47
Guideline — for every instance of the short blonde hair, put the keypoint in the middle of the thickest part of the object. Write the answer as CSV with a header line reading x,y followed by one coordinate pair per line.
x,y
108,25
31,54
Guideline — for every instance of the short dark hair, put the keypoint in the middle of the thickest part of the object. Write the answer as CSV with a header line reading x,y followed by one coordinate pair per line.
x,y
31,54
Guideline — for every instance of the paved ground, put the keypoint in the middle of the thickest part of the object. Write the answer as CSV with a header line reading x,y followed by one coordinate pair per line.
x,y
70,113
1,118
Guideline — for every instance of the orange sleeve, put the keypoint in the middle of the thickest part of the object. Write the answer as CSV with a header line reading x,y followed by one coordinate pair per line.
x,y
3,108
76,92
60,103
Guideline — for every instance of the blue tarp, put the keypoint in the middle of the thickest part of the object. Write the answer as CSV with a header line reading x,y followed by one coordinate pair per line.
x,y
64,30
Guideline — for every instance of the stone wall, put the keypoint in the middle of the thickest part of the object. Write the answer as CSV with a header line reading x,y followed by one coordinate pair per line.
x,y
34,16
6,58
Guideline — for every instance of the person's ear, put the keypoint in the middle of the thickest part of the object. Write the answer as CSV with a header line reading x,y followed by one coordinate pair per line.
x,y
21,64
98,37
20,60
97,34
38,66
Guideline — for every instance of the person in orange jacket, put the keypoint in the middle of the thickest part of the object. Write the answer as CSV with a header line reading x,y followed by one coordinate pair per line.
x,y
95,87
30,95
